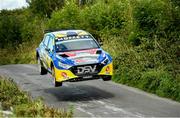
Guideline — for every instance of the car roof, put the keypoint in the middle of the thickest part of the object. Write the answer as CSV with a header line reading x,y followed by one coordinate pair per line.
x,y
66,33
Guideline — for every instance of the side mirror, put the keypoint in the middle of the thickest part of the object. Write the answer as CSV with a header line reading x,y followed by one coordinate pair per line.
x,y
101,43
47,49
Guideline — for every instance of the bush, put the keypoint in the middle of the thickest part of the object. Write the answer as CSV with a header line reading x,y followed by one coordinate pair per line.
x,y
100,18
151,18
161,83
22,104
9,30
38,109
20,35
143,68
10,95
67,18
106,18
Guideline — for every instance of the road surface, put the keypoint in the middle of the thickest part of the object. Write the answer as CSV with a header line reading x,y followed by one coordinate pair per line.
x,y
94,98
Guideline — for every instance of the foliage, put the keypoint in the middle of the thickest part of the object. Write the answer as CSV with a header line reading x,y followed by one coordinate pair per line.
x,y
102,18
143,69
98,19
67,18
9,30
20,37
44,8
22,105
10,94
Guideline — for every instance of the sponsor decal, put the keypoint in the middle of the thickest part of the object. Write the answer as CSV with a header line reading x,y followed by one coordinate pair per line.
x,y
81,52
80,60
73,37
86,69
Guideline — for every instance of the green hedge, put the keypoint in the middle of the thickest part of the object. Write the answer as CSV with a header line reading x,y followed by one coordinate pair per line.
x,y
22,105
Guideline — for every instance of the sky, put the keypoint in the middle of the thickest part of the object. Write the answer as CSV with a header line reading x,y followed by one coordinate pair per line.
x,y
12,4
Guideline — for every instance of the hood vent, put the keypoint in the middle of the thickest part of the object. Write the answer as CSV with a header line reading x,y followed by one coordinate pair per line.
x,y
63,55
98,51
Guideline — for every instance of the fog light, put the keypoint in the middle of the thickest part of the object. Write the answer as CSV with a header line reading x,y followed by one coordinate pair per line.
x,y
107,69
64,74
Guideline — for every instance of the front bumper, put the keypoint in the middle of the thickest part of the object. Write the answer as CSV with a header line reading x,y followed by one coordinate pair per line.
x,y
68,75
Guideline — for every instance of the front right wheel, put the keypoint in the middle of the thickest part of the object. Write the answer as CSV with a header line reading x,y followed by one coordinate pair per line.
x,y
107,78
56,84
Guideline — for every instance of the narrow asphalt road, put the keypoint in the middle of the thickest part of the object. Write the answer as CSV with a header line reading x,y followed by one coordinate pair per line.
x,y
94,98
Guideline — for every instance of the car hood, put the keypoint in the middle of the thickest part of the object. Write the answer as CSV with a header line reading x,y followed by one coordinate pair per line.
x,y
83,56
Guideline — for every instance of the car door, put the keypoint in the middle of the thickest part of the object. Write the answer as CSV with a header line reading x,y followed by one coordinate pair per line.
x,y
44,51
50,51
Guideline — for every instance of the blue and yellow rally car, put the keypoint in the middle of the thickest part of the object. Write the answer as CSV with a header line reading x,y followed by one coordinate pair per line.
x,y
73,55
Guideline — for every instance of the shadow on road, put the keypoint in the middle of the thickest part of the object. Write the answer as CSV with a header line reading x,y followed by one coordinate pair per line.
x,y
78,93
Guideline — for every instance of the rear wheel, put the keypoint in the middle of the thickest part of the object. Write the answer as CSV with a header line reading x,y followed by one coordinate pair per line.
x,y
42,70
56,84
107,78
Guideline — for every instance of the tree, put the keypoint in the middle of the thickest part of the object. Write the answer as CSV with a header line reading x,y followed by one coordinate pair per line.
x,y
45,7
10,35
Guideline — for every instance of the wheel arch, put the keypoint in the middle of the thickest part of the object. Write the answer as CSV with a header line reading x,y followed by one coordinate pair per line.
x,y
51,65
37,55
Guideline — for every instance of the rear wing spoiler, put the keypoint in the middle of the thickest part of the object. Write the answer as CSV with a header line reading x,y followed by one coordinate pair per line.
x,y
54,30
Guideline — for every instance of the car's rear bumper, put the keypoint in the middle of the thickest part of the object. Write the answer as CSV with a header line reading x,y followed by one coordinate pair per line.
x,y
67,75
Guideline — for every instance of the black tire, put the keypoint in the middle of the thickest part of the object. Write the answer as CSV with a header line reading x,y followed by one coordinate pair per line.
x,y
42,70
56,84
107,78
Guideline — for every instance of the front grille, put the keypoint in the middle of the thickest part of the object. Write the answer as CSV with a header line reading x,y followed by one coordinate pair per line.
x,y
89,69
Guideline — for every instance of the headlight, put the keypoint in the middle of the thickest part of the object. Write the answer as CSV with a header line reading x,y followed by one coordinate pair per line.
x,y
105,61
66,66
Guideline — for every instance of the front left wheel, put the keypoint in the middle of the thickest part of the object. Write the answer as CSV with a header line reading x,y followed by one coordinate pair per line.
x,y
56,84
42,70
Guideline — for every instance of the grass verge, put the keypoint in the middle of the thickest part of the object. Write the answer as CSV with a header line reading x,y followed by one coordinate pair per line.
x,y
21,105
23,54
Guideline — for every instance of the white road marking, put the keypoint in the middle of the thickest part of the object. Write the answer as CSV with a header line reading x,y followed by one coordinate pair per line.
x,y
140,115
87,112
117,109
65,84
101,102
105,112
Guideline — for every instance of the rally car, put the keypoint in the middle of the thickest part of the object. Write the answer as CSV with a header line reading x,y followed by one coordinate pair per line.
x,y
73,55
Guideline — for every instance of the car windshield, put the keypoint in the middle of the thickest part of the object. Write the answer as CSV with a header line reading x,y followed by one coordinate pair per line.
x,y
76,44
